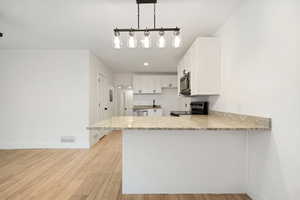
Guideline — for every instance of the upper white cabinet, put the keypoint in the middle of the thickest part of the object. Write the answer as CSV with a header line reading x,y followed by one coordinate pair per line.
x,y
153,84
202,60
146,84
168,81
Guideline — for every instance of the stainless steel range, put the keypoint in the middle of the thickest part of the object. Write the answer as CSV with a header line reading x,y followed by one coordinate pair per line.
x,y
197,108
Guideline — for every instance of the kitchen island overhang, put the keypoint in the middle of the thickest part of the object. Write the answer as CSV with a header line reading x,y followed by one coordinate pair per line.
x,y
207,154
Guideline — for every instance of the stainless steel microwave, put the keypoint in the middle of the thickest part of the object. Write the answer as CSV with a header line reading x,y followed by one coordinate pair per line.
x,y
185,84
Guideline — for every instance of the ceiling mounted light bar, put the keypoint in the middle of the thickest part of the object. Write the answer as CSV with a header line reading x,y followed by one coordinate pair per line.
x,y
132,41
146,29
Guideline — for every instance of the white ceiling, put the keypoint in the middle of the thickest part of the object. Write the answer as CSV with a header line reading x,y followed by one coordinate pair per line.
x,y
73,24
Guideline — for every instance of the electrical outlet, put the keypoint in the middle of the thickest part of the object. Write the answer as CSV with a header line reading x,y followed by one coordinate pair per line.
x,y
67,139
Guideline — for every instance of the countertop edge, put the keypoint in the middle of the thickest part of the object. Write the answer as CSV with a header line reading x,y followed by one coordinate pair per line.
x,y
255,124
182,129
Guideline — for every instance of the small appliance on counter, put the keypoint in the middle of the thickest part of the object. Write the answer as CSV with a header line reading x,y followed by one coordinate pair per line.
x,y
197,108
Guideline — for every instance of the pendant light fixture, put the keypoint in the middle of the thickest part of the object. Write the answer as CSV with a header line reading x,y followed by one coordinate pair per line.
x,y
146,41
176,41
132,43
161,42
117,43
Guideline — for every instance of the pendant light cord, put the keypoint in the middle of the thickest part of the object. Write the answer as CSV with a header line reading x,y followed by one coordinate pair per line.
x,y
154,20
138,15
154,15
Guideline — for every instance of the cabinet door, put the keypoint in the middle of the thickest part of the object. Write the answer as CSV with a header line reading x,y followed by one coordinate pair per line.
x,y
156,80
147,84
137,84
203,61
168,81
164,81
195,82
179,75
187,61
156,112
208,66
173,81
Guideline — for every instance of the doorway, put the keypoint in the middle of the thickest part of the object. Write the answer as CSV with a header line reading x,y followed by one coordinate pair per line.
x,y
125,102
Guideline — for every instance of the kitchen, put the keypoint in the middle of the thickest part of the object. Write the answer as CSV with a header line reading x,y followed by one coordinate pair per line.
x,y
191,82
149,99
192,130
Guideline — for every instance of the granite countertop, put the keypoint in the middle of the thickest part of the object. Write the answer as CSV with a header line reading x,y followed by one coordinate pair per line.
x,y
214,121
146,107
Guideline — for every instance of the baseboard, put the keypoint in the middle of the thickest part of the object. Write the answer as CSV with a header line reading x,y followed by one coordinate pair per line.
x,y
43,146
255,196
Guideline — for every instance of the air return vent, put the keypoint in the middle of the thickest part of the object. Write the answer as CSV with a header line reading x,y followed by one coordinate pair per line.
x,y
67,139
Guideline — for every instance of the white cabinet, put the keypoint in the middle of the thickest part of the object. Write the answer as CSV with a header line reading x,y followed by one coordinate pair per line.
x,y
146,84
138,84
153,84
155,81
155,112
173,81
168,81
202,60
179,74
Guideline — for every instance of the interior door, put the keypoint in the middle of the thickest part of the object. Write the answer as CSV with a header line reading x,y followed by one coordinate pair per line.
x,y
100,98
105,107
128,102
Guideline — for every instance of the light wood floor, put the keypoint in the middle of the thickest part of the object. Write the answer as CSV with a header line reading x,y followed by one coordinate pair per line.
x,y
74,175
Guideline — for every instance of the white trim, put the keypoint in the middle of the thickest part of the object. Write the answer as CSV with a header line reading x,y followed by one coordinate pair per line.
x,y
44,146
255,197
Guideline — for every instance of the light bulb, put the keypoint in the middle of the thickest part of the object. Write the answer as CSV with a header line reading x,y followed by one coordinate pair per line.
x,y
161,43
131,40
146,42
176,43
117,41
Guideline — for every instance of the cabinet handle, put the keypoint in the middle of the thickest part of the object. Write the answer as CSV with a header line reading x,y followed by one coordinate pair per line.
x,y
154,91
140,91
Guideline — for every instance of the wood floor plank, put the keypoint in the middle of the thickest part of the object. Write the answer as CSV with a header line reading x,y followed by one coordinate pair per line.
x,y
93,174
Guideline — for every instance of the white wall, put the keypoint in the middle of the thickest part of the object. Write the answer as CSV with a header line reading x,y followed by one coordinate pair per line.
x,y
44,95
47,94
261,76
96,69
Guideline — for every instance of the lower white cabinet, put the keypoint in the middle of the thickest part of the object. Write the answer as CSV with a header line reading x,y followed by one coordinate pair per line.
x,y
149,112
155,112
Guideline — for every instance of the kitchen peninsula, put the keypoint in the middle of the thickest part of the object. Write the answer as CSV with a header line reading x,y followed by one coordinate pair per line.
x,y
188,154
